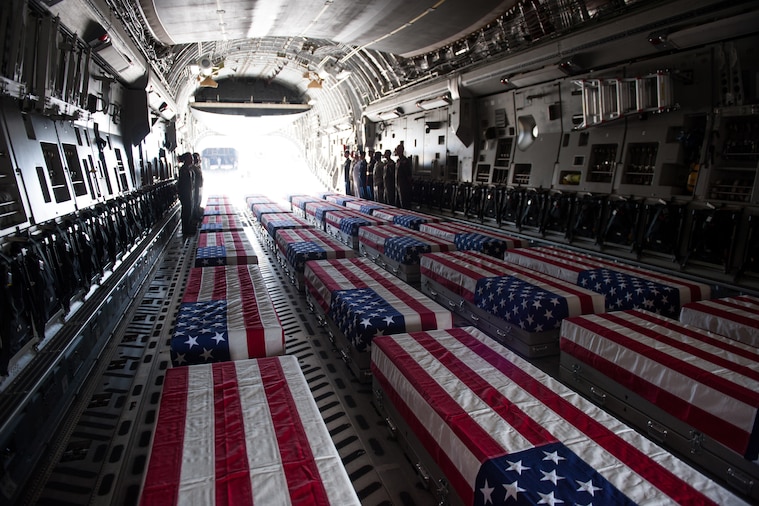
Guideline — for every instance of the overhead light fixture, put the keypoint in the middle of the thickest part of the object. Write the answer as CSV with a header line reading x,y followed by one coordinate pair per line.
x,y
395,113
462,49
570,67
508,82
434,103
208,82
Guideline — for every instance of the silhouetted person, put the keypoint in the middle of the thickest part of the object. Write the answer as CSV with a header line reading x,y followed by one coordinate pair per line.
x,y
379,177
389,178
359,174
186,191
197,194
347,172
403,178
369,188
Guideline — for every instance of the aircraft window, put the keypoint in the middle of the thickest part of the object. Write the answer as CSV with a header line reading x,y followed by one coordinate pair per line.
x,y
75,170
527,129
43,184
55,171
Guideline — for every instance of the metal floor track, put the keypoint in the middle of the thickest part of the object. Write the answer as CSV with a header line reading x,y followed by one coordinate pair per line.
x,y
99,456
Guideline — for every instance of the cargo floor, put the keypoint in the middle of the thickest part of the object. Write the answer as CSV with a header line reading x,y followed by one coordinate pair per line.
x,y
100,453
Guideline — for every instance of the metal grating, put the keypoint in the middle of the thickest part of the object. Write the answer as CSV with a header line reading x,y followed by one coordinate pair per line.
x,y
101,454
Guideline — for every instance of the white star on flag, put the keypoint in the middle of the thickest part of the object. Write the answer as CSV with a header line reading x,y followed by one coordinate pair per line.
x,y
512,489
486,492
516,466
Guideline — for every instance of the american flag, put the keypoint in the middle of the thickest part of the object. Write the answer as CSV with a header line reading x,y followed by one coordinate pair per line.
x,y
365,206
504,432
733,317
466,237
708,381
245,432
404,218
577,268
364,300
211,210
226,314
300,201
339,199
361,314
221,223
224,248
531,300
624,291
401,244
216,200
300,245
277,221
251,200
317,211
261,209
348,221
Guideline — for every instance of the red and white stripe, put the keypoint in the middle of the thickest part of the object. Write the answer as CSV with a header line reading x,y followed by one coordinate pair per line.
x,y
286,220
253,326
565,265
300,201
375,236
733,317
239,248
220,209
339,197
250,200
227,221
313,207
468,399
215,200
449,231
246,432
333,247
459,271
263,208
708,381
322,277
357,203
390,213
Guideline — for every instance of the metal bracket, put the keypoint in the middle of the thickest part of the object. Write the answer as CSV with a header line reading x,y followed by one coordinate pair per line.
x,y
656,431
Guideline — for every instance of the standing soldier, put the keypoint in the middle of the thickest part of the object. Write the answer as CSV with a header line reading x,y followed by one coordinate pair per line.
x,y
347,175
370,176
198,193
379,177
403,178
389,178
186,191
